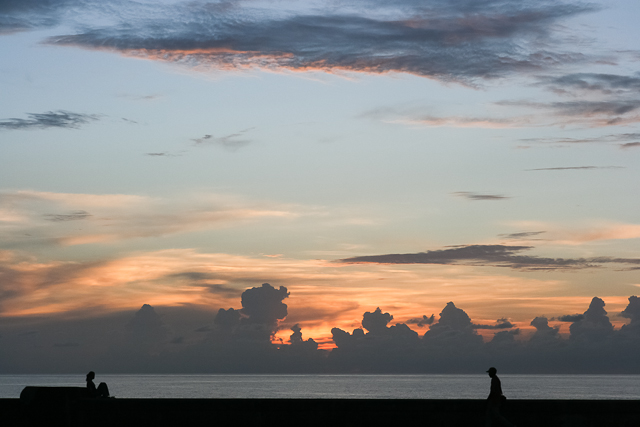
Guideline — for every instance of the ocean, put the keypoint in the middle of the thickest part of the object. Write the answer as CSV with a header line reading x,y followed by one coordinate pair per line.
x,y
601,387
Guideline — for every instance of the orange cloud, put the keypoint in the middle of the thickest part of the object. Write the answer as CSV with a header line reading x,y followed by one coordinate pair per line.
x,y
323,294
54,217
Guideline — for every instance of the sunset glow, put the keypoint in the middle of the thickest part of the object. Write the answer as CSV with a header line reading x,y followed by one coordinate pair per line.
x,y
229,186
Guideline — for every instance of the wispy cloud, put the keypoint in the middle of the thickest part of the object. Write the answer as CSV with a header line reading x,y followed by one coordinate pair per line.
x,y
589,113
522,235
617,139
579,233
479,196
163,154
576,168
493,255
116,217
230,142
606,84
630,145
50,119
73,216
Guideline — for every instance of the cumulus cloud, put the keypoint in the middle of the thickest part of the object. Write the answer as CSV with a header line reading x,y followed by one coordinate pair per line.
x,y
632,311
50,119
258,319
543,330
145,341
594,324
264,305
146,326
491,255
454,330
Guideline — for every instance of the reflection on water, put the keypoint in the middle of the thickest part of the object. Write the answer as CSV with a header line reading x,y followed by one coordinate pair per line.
x,y
343,386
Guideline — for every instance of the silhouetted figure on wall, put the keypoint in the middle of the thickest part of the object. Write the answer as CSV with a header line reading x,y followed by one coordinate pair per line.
x,y
101,391
494,401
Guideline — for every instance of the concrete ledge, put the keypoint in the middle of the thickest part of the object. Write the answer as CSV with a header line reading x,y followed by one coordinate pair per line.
x,y
314,412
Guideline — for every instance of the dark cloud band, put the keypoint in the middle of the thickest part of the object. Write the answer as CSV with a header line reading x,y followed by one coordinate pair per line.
x,y
491,255
445,40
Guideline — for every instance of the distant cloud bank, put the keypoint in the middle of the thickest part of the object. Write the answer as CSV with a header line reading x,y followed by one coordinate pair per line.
x,y
242,341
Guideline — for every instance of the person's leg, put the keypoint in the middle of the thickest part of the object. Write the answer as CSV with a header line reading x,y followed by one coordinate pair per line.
x,y
103,390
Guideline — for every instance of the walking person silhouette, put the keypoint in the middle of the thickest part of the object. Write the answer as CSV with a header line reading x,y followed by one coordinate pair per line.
x,y
494,401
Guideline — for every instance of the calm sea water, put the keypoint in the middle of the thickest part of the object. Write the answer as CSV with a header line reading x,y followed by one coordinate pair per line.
x,y
343,386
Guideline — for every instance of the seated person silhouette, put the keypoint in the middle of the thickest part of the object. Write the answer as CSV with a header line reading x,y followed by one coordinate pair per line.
x,y
101,391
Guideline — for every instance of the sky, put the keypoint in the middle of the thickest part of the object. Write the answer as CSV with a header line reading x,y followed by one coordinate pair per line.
x,y
319,186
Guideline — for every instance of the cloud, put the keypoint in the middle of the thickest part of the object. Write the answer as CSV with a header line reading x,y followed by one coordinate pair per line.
x,y
604,139
295,339
376,322
607,84
25,15
162,154
117,217
264,305
594,324
454,330
73,216
522,235
223,290
146,325
500,324
162,339
444,40
50,119
230,142
466,122
543,330
570,318
576,168
422,322
576,234
590,113
632,311
491,255
477,196
630,145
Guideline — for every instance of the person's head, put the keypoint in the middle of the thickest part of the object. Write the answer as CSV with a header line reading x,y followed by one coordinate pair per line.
x,y
91,375
492,372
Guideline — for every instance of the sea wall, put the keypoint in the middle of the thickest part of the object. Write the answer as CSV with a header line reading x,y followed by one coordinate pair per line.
x,y
313,412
